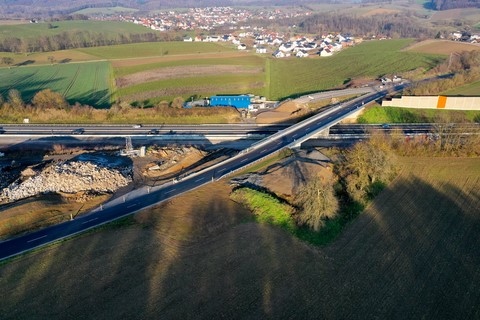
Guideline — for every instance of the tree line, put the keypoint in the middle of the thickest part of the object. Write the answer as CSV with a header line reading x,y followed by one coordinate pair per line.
x,y
452,4
463,67
78,39
392,25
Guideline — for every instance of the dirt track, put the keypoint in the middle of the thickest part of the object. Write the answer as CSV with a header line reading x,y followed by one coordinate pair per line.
x,y
413,254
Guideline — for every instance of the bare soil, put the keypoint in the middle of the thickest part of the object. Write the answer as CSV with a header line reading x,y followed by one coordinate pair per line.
x,y
179,57
414,253
182,72
286,112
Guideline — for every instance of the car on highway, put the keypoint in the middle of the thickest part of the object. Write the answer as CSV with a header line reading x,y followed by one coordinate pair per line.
x,y
137,126
78,131
153,131
385,126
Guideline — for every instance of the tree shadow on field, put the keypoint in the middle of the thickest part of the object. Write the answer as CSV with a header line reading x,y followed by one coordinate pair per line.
x,y
416,256
199,257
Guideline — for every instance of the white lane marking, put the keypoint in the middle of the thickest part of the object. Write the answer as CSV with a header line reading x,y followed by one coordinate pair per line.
x,y
199,179
308,128
132,205
170,191
37,238
222,170
89,220
264,150
244,160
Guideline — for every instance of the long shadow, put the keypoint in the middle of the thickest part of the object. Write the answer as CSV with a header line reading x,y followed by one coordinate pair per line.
x,y
199,257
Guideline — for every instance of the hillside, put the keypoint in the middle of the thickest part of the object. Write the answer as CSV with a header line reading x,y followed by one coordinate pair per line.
x,y
414,253
38,8
452,4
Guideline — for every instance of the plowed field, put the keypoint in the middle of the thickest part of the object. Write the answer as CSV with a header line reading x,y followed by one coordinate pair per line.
x,y
413,254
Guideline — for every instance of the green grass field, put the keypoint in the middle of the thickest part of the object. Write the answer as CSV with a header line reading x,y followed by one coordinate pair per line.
x,y
34,30
471,89
372,59
404,115
274,78
88,83
153,49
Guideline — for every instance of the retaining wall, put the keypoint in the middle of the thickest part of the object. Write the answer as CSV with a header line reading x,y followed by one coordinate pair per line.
x,y
434,102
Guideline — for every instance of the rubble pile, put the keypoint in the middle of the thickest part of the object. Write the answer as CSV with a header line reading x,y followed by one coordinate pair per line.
x,y
69,177
169,156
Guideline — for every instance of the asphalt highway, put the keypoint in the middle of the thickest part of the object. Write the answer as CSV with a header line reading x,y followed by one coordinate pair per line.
x,y
147,196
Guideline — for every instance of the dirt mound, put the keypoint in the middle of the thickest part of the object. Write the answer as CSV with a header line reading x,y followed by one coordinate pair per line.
x,y
285,177
286,111
167,160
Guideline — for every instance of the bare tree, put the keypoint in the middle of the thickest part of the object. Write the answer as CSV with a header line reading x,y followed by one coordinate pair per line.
x,y
178,102
317,201
7,60
366,164
49,99
15,99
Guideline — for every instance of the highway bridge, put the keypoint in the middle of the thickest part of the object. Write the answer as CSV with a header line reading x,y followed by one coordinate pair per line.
x,y
147,196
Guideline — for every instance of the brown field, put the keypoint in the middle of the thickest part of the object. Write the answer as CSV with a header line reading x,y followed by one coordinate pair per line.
x,y
122,63
35,213
182,72
460,14
12,22
379,11
414,253
442,47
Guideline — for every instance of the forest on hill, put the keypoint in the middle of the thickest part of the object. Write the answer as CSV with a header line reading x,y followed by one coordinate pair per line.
x,y
452,4
391,25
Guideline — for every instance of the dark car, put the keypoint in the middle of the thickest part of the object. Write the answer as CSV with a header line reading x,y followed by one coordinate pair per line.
x,y
78,131
153,131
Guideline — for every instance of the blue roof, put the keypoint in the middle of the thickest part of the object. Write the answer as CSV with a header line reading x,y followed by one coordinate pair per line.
x,y
239,101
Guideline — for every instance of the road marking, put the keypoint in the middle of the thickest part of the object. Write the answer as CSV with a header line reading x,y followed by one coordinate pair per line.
x,y
246,159
222,170
308,128
170,191
37,238
264,150
199,179
90,220
132,205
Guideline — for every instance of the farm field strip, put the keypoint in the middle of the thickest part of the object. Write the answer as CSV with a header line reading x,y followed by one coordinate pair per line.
x,y
244,60
442,47
241,80
154,49
83,82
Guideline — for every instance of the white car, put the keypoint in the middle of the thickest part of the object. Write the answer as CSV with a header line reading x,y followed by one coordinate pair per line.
x,y
137,126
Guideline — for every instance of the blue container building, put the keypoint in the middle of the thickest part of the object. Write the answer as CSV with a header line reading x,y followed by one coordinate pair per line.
x,y
238,101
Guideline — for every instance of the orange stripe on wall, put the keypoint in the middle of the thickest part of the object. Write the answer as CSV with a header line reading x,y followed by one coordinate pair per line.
x,y
442,102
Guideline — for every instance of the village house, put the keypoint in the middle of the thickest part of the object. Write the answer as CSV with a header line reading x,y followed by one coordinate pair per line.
x,y
261,50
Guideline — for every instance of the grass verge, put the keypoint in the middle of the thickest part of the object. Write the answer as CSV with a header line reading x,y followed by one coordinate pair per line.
x,y
379,114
